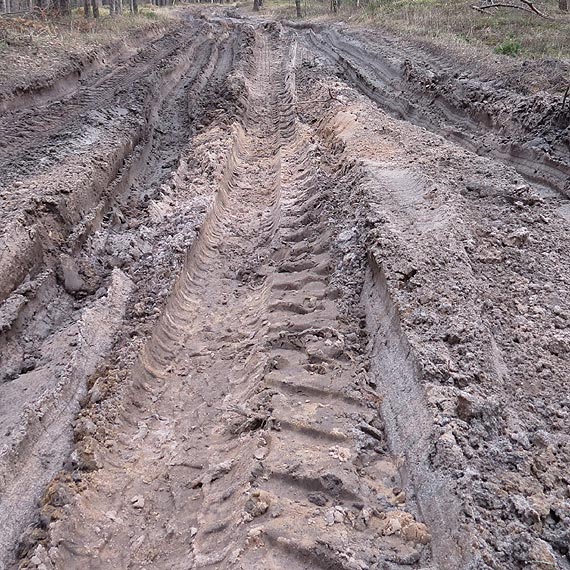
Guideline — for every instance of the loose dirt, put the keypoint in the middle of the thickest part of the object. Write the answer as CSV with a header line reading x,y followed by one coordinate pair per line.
x,y
285,297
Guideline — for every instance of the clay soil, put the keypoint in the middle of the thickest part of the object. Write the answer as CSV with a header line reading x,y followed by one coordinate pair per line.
x,y
284,296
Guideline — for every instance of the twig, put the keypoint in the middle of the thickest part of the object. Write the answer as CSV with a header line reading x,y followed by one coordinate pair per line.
x,y
530,7
535,9
565,97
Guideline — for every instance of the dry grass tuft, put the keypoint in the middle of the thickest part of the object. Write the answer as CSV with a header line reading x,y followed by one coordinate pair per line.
x,y
34,51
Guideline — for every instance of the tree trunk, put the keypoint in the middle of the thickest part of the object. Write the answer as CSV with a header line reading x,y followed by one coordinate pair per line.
x,y
64,8
334,6
4,7
298,8
87,8
256,5
95,6
112,10
563,5
134,7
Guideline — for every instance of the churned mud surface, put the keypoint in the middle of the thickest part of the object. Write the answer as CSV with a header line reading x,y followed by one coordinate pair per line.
x,y
285,297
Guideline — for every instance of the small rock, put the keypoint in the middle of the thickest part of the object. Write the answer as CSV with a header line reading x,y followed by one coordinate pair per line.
x,y
258,503
319,499
259,454
138,502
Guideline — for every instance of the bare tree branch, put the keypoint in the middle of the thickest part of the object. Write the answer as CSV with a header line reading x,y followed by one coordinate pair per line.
x,y
534,9
528,7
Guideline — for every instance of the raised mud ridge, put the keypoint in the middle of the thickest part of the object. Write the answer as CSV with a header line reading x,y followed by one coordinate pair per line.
x,y
409,422
497,123
48,305
66,81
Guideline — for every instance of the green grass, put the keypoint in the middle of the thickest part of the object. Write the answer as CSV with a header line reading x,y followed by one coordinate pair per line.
x,y
510,46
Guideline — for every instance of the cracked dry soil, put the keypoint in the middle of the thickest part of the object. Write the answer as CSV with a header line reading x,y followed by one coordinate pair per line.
x,y
280,296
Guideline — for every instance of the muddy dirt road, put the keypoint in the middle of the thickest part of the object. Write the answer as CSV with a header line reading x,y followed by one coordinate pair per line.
x,y
285,297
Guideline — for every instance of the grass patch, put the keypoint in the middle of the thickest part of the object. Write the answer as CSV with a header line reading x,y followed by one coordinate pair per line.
x,y
510,46
149,13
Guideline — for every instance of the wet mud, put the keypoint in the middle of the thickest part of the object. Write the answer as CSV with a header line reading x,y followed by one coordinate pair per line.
x,y
274,296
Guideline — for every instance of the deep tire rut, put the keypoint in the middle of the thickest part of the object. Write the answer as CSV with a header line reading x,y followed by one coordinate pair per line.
x,y
398,87
249,410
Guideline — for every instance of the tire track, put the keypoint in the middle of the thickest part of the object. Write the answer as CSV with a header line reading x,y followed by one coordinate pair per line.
x,y
212,315
382,77
24,133
44,402
331,488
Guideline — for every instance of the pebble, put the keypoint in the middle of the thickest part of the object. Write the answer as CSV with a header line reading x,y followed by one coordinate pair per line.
x,y
138,502
259,454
